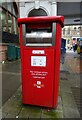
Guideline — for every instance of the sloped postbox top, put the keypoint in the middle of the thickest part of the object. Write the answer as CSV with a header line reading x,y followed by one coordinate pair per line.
x,y
42,19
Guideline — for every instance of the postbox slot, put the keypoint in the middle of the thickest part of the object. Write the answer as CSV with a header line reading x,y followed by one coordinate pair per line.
x,y
42,36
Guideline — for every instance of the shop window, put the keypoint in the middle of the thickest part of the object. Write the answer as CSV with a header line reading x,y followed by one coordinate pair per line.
x,y
9,23
64,31
75,28
3,18
15,25
9,6
15,9
68,31
3,3
68,41
8,17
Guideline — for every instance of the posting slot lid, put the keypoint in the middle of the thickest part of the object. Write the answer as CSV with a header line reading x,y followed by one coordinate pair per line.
x,y
38,44
38,35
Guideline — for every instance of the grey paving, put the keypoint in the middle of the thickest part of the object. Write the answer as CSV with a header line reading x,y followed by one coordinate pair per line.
x,y
0,114
65,86
66,106
11,79
0,90
13,107
12,66
70,109
74,79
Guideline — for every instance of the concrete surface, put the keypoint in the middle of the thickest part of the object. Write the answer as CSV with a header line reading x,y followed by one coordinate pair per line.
x,y
10,79
67,105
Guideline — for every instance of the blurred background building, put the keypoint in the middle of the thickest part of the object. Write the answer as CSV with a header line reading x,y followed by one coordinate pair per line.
x,y
11,10
38,8
9,15
72,33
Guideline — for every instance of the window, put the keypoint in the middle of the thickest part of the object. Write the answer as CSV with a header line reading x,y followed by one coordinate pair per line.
x,y
9,23
3,18
9,6
68,41
64,31
3,3
14,25
68,31
37,12
8,17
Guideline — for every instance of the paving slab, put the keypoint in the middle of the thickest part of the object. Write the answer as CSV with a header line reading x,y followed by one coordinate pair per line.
x,y
24,113
70,112
4,114
70,109
53,113
0,90
14,108
35,113
0,114
66,107
74,79
63,68
29,111
10,83
63,76
65,86
12,66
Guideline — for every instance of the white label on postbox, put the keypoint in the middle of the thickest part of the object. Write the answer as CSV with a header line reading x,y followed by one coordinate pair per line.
x,y
37,51
38,61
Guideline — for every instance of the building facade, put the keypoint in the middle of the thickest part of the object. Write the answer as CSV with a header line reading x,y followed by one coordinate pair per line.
x,y
38,8
9,13
72,34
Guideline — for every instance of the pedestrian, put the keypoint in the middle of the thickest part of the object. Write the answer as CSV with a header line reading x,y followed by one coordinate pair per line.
x,y
74,47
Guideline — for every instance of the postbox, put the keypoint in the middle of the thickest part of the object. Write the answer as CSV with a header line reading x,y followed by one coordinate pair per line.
x,y
40,43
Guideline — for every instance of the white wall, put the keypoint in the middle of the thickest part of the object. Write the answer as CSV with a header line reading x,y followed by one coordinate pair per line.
x,y
49,7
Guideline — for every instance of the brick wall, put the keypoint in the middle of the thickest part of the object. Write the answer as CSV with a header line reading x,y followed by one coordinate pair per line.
x,y
3,53
7,38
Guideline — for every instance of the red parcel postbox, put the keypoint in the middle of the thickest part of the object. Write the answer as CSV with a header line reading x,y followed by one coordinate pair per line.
x,y
40,43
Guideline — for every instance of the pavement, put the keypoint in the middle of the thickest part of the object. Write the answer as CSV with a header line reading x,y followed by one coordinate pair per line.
x,y
68,98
